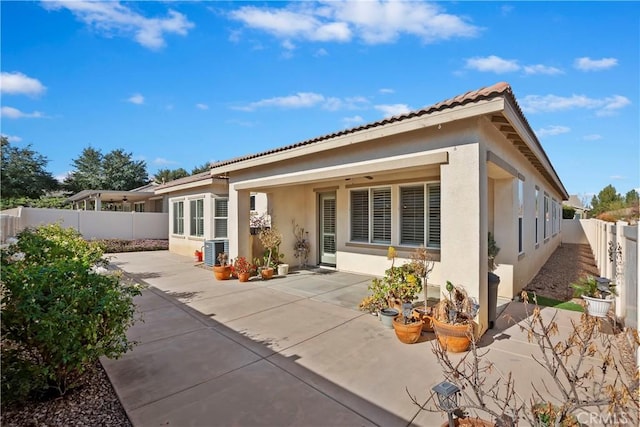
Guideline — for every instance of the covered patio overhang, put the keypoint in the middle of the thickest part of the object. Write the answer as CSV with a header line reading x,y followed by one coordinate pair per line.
x,y
96,198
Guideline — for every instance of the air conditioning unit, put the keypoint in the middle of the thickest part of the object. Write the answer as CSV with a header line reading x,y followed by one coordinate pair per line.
x,y
211,250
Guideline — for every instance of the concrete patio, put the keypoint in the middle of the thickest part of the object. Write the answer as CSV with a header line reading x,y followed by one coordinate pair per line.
x,y
290,351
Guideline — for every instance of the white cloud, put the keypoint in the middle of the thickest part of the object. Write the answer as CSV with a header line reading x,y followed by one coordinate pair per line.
x,y
550,103
136,98
308,100
288,45
617,177
374,22
162,161
352,121
321,52
493,64
12,138
553,130
393,109
14,113
592,137
588,64
201,106
20,84
542,69
386,90
110,18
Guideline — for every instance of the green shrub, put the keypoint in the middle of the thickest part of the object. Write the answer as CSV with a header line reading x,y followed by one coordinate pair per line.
x,y
60,312
568,212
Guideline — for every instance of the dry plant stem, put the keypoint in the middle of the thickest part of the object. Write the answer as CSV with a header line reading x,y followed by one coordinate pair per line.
x,y
471,373
614,391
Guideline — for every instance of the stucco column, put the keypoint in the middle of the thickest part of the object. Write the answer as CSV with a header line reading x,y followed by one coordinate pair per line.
x,y
98,204
238,225
463,221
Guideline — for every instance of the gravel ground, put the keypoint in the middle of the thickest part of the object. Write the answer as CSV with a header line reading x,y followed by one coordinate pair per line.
x,y
93,404
96,403
566,265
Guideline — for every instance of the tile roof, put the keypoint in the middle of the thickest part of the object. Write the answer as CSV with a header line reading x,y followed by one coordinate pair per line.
x,y
489,92
202,176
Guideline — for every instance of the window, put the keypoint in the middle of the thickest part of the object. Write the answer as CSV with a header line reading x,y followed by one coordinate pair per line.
x,y
381,215
220,217
196,216
138,207
252,203
537,213
372,218
360,216
554,216
520,214
546,216
178,217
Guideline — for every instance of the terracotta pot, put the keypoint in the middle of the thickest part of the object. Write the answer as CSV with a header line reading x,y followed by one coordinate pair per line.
x,y
425,317
409,333
266,273
453,338
244,277
222,272
475,422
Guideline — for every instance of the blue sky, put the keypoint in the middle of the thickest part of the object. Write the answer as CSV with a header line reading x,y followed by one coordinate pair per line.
x,y
182,83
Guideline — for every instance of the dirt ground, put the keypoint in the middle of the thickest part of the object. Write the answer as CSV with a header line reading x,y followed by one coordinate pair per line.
x,y
566,265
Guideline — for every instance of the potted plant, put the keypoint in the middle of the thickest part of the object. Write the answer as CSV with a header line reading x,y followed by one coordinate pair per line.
x,y
422,264
243,268
270,239
222,270
301,246
597,292
403,286
377,303
453,319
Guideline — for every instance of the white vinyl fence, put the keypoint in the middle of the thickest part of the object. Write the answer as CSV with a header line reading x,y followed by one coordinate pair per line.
x,y
615,248
91,224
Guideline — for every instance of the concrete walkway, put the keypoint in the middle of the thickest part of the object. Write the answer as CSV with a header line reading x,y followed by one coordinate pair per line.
x,y
291,351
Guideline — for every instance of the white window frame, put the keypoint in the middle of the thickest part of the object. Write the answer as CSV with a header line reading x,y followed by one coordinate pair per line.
x,y
520,216
537,223
177,215
196,217
431,215
547,222
217,219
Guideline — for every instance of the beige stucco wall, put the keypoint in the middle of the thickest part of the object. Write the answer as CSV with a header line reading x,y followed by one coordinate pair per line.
x,y
185,244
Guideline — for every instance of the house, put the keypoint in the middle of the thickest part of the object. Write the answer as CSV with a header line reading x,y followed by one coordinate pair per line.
x,y
574,202
443,176
198,213
141,199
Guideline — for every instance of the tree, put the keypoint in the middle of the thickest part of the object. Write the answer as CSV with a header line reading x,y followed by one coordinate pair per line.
x,y
23,172
631,198
202,168
121,172
115,170
166,175
88,172
606,200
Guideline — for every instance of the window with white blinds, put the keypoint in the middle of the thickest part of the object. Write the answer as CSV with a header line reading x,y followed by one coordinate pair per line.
x,y
360,216
433,218
372,217
381,215
178,217
220,218
196,216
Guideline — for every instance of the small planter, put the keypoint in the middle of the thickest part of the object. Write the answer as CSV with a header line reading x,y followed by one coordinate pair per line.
x,y
222,272
472,422
598,307
266,273
283,269
407,333
419,312
244,277
453,338
387,315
